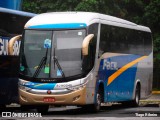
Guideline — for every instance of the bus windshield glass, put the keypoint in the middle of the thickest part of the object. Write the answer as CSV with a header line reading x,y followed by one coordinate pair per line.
x,y
52,54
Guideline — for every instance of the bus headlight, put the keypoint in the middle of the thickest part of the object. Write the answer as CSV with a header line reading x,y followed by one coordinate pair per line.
x,y
24,88
22,82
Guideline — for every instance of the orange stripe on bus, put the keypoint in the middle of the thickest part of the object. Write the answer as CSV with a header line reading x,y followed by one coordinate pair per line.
x,y
124,68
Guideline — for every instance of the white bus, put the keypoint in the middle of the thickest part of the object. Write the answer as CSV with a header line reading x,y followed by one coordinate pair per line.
x,y
84,59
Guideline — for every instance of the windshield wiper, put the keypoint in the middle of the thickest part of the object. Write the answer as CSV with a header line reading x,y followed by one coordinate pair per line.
x,y
41,64
58,65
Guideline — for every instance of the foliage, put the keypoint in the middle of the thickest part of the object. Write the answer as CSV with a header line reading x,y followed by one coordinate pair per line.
x,y
151,19
87,5
157,46
41,6
152,16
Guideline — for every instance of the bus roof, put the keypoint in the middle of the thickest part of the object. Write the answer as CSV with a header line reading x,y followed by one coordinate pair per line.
x,y
16,12
78,19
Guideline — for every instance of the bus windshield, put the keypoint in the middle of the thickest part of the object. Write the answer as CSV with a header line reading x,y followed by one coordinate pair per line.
x,y
52,54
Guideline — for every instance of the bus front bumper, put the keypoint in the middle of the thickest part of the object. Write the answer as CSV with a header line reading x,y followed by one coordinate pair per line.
x,y
77,97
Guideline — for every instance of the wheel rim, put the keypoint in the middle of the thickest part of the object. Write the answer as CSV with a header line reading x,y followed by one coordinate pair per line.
x,y
137,96
98,101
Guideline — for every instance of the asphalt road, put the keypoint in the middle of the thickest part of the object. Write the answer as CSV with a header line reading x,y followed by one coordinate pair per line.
x,y
149,109
118,111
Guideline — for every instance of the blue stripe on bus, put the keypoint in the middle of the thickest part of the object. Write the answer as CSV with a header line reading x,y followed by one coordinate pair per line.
x,y
40,86
59,26
121,88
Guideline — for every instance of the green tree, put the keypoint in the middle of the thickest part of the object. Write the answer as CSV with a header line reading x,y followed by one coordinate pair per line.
x,y
41,6
152,19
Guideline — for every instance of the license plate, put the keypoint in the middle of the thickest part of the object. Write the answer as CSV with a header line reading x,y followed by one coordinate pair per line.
x,y
49,99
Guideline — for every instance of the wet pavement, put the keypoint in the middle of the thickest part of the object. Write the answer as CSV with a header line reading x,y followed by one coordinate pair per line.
x,y
149,109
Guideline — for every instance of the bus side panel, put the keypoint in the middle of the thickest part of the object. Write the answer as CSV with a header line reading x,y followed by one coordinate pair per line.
x,y
118,73
145,75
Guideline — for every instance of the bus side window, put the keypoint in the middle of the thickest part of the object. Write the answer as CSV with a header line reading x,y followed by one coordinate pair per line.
x,y
105,37
93,29
147,43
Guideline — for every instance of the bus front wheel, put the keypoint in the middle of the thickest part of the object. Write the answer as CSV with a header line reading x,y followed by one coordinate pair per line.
x,y
97,106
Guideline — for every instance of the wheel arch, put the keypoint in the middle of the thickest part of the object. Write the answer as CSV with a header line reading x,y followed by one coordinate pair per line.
x,y
101,89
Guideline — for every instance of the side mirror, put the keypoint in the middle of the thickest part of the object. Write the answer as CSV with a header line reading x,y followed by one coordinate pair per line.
x,y
11,44
85,44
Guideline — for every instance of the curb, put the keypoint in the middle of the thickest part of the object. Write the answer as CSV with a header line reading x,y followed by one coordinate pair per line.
x,y
155,92
150,100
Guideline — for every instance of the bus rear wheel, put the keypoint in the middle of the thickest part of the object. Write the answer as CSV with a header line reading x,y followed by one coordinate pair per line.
x,y
136,100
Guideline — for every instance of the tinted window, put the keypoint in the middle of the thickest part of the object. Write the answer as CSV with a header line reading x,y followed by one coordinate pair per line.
x,y
90,59
123,40
147,43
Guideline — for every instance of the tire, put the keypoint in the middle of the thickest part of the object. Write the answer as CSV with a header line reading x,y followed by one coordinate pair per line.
x,y
97,106
43,109
94,107
135,102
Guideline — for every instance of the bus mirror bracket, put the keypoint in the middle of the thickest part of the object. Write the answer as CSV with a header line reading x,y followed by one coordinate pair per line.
x,y
85,44
11,43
